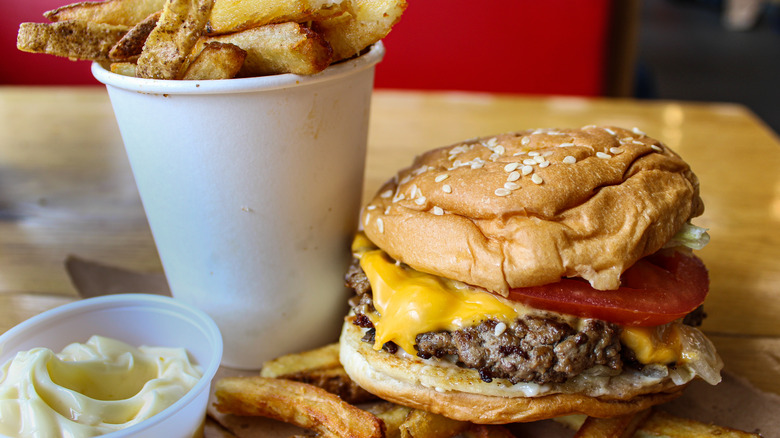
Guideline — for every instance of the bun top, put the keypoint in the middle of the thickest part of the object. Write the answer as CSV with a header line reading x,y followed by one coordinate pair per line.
x,y
528,208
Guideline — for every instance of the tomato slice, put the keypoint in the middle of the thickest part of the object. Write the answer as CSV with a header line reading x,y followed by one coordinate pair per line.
x,y
658,289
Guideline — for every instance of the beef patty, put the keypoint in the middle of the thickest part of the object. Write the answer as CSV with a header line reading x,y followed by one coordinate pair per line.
x,y
539,349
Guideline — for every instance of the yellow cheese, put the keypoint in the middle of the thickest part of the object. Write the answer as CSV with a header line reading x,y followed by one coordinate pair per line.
x,y
653,344
412,302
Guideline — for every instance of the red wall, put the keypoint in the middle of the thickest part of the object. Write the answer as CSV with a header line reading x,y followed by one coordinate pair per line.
x,y
516,46
520,46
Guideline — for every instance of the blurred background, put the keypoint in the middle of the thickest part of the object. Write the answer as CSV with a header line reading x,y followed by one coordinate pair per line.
x,y
691,50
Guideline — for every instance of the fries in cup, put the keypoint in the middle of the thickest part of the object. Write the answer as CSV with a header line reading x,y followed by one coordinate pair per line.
x,y
165,39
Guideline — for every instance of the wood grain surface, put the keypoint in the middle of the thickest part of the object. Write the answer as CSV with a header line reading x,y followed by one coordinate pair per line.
x,y
66,189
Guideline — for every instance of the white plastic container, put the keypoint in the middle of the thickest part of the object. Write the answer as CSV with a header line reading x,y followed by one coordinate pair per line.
x,y
135,319
252,188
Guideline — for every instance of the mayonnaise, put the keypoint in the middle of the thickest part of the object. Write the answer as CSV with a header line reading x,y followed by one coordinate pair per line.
x,y
90,389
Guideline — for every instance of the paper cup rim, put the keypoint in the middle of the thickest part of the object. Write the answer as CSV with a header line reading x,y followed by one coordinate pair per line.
x,y
239,85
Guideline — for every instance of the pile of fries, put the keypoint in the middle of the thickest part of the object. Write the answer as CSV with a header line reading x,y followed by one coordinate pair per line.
x,y
312,390
212,39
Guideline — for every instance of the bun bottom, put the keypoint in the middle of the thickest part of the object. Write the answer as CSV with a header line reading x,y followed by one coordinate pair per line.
x,y
397,379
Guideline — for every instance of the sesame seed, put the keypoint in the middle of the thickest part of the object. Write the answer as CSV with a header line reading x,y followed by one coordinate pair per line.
x,y
529,162
637,131
517,154
499,329
637,142
420,170
386,194
527,170
555,133
514,176
438,211
511,167
491,143
459,149
589,127
539,159
499,150
420,201
544,164
609,131
477,164
400,197
538,131
537,179
387,210
603,155
414,191
566,145
525,141
615,151
371,207
547,154
368,216
569,159
446,188
380,225
442,177
511,186
656,148
406,179
502,192
533,153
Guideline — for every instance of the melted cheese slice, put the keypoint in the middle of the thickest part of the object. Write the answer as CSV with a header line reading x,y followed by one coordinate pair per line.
x,y
412,302
654,344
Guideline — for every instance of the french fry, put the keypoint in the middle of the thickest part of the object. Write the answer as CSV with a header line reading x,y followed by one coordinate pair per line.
x,y
72,39
335,381
392,415
278,48
131,45
573,422
229,16
318,359
123,68
296,403
369,22
656,424
423,424
662,424
319,367
623,426
117,12
216,61
487,431
166,49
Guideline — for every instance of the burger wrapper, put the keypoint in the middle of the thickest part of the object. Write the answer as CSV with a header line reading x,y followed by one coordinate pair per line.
x,y
733,403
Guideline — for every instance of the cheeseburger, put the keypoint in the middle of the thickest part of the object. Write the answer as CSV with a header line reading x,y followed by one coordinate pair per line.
x,y
531,275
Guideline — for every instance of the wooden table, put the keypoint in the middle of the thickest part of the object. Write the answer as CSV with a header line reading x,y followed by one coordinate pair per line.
x,y
66,188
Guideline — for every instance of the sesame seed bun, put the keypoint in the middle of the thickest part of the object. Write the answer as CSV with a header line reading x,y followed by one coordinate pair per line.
x,y
459,393
528,208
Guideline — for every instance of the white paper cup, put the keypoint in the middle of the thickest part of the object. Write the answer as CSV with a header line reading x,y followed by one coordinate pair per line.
x,y
252,189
